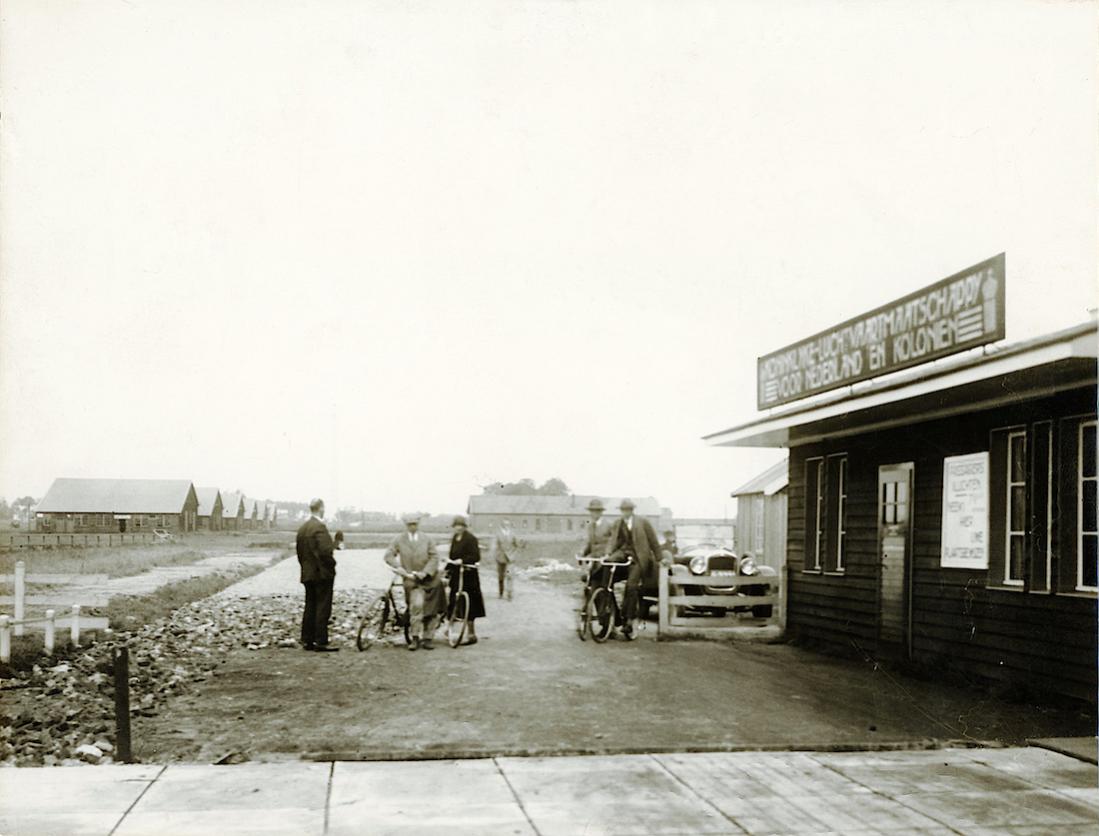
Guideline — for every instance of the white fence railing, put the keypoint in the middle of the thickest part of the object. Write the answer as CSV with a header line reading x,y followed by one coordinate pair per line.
x,y
675,606
90,590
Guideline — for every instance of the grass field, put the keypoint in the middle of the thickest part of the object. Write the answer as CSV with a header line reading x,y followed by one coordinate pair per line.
x,y
121,561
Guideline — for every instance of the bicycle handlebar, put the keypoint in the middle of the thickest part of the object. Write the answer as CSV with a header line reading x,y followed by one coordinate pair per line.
x,y
460,563
602,561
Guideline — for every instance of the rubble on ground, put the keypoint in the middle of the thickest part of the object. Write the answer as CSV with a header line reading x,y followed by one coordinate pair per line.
x,y
61,712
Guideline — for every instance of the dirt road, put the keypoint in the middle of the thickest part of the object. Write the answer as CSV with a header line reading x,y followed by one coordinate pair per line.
x,y
531,685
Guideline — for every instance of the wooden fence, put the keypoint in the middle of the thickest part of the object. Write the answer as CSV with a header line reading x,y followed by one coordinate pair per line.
x,y
48,540
672,597
60,592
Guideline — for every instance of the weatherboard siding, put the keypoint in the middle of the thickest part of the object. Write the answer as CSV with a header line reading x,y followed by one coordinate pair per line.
x,y
958,621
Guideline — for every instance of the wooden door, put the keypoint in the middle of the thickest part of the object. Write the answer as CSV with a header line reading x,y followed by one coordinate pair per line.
x,y
895,541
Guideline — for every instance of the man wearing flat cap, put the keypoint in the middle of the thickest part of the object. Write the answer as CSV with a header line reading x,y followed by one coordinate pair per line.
x,y
413,556
634,537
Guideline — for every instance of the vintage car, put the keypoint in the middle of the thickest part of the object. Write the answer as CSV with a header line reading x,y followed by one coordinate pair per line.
x,y
717,561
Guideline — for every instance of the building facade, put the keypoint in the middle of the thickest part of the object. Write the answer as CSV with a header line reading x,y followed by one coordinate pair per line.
x,y
117,505
209,509
761,509
948,516
533,514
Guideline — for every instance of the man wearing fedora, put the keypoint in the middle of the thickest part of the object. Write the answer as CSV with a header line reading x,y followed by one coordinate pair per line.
x,y
634,537
413,556
599,536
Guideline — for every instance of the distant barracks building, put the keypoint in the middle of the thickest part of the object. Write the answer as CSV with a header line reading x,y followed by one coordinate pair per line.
x,y
551,514
945,514
112,505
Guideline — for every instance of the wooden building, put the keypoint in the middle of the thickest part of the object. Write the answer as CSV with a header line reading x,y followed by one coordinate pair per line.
x,y
761,507
946,514
209,509
534,514
118,505
232,513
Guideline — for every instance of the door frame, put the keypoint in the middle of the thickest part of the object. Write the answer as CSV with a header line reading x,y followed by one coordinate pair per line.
x,y
906,601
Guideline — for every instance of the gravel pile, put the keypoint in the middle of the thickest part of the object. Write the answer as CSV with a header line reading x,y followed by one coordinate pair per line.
x,y
62,711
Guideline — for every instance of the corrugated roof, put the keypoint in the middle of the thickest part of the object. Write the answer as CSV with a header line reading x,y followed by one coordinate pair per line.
x,y
116,496
207,499
769,482
561,506
230,503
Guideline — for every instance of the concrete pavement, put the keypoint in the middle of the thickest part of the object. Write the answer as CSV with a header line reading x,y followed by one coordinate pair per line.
x,y
966,791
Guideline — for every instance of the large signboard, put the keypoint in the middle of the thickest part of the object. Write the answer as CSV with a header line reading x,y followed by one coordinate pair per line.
x,y
965,512
960,312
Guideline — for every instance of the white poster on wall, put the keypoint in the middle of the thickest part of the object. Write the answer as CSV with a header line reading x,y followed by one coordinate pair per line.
x,y
965,512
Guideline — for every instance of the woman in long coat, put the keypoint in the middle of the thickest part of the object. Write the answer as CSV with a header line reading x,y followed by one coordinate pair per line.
x,y
464,547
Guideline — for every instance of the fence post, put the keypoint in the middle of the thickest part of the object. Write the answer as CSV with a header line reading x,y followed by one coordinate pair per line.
x,y
784,579
5,639
74,628
122,703
662,602
48,641
20,595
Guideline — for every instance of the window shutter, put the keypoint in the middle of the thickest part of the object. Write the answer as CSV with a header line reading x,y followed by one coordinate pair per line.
x,y
997,507
812,499
1041,487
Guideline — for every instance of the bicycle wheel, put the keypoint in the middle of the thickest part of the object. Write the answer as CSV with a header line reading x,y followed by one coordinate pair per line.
x,y
509,584
373,623
456,624
601,608
583,617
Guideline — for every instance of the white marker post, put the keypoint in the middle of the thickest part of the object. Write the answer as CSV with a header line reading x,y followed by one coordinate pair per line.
x,y
74,628
20,595
5,639
48,641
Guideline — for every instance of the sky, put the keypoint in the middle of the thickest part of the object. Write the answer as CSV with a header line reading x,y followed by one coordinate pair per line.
x,y
386,253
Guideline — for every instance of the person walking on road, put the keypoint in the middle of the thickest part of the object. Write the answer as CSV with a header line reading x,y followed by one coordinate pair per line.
x,y
318,574
413,556
635,538
506,546
465,548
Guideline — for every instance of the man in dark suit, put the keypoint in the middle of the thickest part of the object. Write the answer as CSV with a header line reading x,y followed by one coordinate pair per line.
x,y
635,538
318,573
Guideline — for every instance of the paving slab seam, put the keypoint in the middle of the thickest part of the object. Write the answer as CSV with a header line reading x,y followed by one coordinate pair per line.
x,y
888,797
698,795
328,793
137,800
518,800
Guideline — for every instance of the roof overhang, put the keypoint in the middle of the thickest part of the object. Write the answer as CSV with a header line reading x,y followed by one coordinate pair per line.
x,y
1037,368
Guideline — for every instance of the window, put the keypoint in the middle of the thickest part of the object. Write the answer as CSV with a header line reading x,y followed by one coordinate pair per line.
x,y
570,524
1016,516
1087,532
826,484
78,519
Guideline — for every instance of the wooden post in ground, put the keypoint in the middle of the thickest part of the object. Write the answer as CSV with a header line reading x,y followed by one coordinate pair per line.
x,y
74,629
122,703
5,639
48,640
662,602
20,595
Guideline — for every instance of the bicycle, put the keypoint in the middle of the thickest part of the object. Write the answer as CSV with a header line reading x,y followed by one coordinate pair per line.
x,y
376,621
600,609
458,611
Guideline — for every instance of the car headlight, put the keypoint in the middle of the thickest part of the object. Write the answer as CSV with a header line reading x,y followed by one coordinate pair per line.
x,y
748,567
699,565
